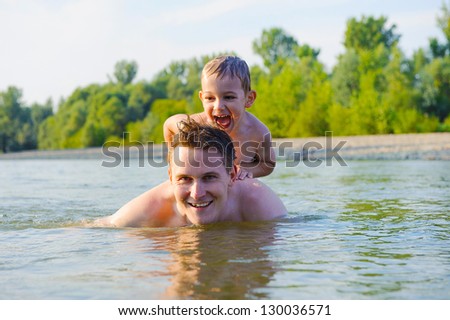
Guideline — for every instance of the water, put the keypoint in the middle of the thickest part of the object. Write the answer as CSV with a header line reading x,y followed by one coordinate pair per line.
x,y
372,230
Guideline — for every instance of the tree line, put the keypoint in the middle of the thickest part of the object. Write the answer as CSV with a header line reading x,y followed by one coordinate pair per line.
x,y
373,89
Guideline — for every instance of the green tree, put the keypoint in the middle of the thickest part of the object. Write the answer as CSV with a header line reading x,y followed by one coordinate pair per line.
x,y
434,88
440,50
278,97
125,71
305,50
367,113
292,70
366,78
112,116
41,112
275,45
10,118
368,33
161,110
19,123
48,130
38,113
93,134
312,117
285,96
397,95
345,78
141,97
431,72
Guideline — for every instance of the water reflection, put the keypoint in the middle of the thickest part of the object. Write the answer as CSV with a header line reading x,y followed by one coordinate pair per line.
x,y
373,230
390,209
393,246
222,261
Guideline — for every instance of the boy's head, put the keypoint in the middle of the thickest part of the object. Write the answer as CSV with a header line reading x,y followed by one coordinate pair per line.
x,y
226,92
229,66
207,138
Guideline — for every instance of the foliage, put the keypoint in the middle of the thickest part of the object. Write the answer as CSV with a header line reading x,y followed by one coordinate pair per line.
x,y
368,33
374,88
284,98
18,123
345,80
125,71
274,45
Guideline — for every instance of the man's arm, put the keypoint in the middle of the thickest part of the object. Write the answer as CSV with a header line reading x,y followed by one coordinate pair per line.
x,y
154,208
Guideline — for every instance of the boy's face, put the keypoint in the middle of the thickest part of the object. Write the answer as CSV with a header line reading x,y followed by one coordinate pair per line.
x,y
200,183
224,101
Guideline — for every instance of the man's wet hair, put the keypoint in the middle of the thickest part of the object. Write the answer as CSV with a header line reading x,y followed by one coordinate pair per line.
x,y
192,134
230,66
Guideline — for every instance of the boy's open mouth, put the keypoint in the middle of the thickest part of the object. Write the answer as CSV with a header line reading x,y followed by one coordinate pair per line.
x,y
223,121
200,204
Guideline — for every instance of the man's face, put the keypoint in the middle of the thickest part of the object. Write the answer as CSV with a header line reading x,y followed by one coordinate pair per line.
x,y
224,101
201,184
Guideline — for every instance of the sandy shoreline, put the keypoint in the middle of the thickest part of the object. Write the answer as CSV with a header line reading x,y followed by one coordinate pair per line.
x,y
426,146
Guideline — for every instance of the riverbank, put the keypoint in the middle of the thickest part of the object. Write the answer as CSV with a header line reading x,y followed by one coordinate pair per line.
x,y
424,146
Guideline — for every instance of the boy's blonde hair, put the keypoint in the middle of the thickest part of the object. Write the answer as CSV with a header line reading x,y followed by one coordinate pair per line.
x,y
231,66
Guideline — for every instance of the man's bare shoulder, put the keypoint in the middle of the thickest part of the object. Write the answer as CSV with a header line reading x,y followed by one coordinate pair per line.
x,y
153,208
251,188
258,201
162,192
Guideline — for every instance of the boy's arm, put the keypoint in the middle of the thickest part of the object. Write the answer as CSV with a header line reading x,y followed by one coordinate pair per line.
x,y
264,161
170,126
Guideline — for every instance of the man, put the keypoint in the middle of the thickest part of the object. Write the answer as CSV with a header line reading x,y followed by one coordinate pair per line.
x,y
202,187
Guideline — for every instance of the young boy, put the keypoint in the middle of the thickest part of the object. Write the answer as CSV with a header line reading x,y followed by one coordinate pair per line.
x,y
226,93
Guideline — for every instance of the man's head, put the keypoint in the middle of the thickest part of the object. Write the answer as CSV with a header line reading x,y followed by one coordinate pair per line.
x,y
201,172
193,135
229,66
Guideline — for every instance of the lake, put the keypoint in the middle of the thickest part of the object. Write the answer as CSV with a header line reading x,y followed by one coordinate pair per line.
x,y
369,230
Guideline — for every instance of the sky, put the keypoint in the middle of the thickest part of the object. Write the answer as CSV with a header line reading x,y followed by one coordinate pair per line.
x,y
48,48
